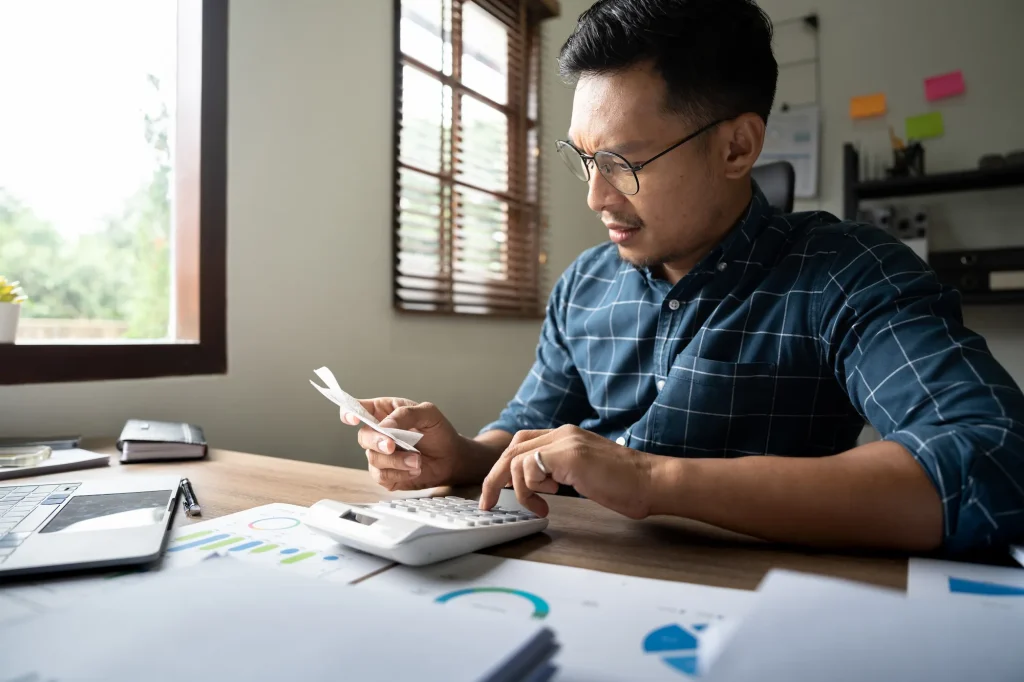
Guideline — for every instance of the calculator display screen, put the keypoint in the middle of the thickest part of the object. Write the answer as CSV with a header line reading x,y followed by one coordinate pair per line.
x,y
359,518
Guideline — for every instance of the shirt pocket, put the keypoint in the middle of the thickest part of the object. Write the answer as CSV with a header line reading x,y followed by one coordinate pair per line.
x,y
710,408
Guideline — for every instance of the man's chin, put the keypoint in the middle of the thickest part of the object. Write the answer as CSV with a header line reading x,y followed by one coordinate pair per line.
x,y
635,257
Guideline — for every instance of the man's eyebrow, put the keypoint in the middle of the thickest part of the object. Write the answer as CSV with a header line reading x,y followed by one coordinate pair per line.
x,y
622,149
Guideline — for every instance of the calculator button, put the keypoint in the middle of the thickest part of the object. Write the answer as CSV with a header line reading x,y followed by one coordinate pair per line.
x,y
25,489
44,489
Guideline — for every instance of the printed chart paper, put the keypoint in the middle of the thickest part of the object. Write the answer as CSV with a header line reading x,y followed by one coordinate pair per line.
x,y
610,627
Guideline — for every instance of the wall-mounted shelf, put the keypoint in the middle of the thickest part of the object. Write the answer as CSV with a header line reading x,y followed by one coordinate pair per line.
x,y
856,191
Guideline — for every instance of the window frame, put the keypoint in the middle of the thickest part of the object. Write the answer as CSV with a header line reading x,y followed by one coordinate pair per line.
x,y
523,172
199,303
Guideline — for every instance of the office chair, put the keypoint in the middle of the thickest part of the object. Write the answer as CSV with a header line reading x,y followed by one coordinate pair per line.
x,y
777,180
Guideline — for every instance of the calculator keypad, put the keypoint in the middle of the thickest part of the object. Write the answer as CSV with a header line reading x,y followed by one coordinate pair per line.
x,y
451,512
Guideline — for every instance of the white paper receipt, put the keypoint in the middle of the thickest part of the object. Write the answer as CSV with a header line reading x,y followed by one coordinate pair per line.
x,y
404,439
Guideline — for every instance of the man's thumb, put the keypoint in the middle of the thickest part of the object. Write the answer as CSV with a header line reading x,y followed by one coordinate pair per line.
x,y
421,416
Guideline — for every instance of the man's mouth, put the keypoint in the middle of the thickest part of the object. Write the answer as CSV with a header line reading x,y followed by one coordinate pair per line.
x,y
620,233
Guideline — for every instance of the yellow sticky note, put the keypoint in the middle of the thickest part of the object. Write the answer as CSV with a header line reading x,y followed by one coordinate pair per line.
x,y
866,106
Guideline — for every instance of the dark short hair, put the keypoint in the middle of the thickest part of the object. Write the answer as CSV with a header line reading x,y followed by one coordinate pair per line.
x,y
715,55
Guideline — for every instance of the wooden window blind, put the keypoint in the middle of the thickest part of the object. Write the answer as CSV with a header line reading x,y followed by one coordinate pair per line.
x,y
467,222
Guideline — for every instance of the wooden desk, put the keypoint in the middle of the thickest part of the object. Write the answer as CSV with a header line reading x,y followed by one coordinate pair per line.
x,y
581,533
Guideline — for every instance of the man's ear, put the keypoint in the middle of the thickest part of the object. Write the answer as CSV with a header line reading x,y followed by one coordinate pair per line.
x,y
743,137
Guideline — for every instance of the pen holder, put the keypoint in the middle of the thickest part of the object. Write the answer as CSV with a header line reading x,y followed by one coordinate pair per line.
x,y
9,314
908,161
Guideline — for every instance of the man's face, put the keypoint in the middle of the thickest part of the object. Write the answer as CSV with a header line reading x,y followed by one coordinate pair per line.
x,y
668,220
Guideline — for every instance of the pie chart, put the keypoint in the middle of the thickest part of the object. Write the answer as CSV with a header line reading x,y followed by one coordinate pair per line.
x,y
676,646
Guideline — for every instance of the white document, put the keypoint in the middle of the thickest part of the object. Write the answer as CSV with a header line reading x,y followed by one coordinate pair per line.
x,y
807,627
272,535
404,439
794,136
993,586
610,627
229,620
59,460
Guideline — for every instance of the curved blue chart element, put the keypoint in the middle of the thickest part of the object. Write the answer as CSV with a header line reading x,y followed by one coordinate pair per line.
x,y
289,551
669,638
684,664
677,645
540,607
964,586
330,557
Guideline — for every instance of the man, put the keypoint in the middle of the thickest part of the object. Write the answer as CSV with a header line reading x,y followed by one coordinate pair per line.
x,y
716,359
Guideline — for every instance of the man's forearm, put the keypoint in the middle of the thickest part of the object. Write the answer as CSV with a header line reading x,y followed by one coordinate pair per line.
x,y
479,455
875,495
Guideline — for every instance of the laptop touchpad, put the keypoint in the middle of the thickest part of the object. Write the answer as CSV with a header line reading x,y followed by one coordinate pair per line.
x,y
108,512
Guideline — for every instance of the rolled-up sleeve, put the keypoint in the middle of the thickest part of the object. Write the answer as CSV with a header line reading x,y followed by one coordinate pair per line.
x,y
895,338
552,394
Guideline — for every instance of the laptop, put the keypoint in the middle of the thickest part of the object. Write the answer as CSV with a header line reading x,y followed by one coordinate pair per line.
x,y
121,521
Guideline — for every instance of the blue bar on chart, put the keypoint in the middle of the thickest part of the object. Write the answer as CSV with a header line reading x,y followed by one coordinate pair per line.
x,y
247,545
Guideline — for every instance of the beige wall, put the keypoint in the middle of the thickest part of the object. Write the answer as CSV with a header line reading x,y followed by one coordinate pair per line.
x,y
310,144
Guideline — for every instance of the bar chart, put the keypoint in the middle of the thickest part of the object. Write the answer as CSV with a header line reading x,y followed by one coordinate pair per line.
x,y
273,535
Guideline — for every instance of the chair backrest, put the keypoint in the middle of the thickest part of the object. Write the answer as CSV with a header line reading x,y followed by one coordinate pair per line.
x,y
778,181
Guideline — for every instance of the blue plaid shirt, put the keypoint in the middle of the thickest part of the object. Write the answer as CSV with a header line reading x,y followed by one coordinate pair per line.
x,y
784,340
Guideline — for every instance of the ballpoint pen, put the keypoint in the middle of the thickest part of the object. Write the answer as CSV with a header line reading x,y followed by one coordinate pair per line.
x,y
189,502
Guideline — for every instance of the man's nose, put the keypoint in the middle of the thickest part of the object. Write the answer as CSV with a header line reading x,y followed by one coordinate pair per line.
x,y
600,194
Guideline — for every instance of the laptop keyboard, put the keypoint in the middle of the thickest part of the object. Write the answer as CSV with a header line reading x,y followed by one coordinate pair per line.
x,y
24,509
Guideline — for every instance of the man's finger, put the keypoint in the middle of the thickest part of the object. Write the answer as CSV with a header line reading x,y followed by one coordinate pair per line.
x,y
497,479
402,461
373,440
537,479
527,497
500,473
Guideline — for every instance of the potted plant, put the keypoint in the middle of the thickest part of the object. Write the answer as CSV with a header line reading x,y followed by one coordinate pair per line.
x,y
11,298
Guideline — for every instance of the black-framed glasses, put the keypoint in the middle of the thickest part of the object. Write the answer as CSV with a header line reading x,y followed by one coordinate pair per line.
x,y
620,173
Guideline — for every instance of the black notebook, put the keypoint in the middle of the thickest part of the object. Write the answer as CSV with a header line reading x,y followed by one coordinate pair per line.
x,y
143,441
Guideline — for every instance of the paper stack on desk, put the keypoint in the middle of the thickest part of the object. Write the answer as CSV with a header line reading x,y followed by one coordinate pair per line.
x,y
813,628
228,620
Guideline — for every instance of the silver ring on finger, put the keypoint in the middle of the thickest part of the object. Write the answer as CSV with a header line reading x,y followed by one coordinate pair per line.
x,y
540,463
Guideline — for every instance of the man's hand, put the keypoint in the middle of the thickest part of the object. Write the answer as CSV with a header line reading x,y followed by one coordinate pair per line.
x,y
440,450
612,475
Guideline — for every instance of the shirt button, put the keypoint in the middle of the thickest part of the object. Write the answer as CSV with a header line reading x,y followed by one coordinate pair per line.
x,y
620,441
660,384
722,266
673,304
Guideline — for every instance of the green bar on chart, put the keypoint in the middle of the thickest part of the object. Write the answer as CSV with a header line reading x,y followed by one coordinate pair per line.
x,y
222,543
264,548
298,557
192,536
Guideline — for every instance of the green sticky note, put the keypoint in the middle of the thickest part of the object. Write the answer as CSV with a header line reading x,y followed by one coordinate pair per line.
x,y
924,126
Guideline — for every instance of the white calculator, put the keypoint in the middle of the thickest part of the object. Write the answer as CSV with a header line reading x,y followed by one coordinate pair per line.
x,y
421,530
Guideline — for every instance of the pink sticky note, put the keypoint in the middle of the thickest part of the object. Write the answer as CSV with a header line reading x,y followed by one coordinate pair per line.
x,y
946,85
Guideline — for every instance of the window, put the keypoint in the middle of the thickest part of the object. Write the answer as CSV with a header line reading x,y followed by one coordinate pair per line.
x,y
112,183
467,222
